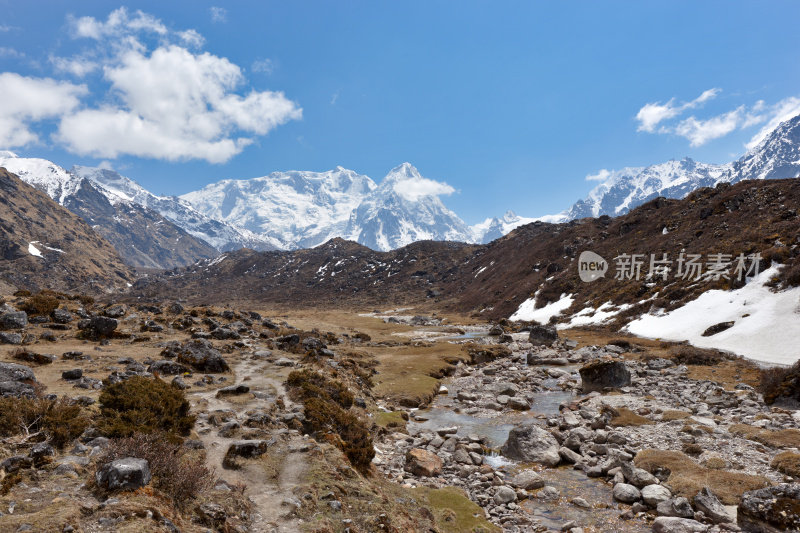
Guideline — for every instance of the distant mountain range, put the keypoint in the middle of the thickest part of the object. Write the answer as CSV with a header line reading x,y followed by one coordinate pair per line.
x,y
298,209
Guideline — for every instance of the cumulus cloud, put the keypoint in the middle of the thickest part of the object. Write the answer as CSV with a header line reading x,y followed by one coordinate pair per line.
x,y
218,14
265,66
13,53
602,175
652,114
412,188
780,112
700,132
164,99
175,105
25,100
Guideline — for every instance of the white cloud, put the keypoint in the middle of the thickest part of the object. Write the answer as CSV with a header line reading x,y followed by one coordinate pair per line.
x,y
265,66
602,175
11,52
175,105
700,132
652,114
780,112
218,14
334,98
77,66
119,22
413,188
105,165
191,38
25,100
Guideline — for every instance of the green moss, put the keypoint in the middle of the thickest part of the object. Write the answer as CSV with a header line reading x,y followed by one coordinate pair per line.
x,y
454,512
393,419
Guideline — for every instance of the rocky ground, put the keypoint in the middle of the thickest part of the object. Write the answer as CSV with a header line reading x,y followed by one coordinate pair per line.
x,y
528,432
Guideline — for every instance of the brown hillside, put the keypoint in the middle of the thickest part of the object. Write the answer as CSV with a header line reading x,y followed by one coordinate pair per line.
x,y
74,257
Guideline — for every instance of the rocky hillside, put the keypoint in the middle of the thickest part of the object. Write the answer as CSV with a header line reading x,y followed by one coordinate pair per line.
x,y
43,245
537,259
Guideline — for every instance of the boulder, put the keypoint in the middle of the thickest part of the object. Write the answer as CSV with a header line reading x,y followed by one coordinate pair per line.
x,y
638,477
504,495
115,311
129,473
677,507
717,328
13,320
62,316
707,502
423,463
165,367
98,327
542,335
655,494
16,380
233,390
10,338
247,448
664,524
75,373
197,353
531,443
626,493
528,480
601,374
771,509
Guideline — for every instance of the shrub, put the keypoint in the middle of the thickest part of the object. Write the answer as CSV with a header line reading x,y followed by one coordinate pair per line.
x,y
142,405
691,355
43,303
788,463
177,471
326,402
59,420
780,383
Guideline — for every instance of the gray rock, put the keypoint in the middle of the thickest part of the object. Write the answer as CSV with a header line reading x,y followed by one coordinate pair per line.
x,y
655,494
504,495
75,373
542,335
124,474
568,455
599,375
115,311
548,493
531,443
98,327
199,354
10,338
528,480
62,316
233,390
707,502
165,367
768,510
626,493
13,320
678,507
247,448
638,477
664,524
16,380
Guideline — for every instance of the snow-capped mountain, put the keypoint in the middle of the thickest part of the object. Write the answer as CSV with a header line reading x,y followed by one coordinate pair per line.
x,y
142,237
494,228
777,156
294,209
222,236
396,213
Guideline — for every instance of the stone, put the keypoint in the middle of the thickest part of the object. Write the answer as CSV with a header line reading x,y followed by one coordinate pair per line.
x,y
165,367
40,451
15,463
707,502
423,463
129,473
98,327
13,320
581,502
212,514
527,480
233,390
247,448
601,374
531,443
717,328
655,494
678,507
626,493
115,311
504,495
518,404
542,335
10,338
461,456
62,316
771,509
548,493
33,357
16,380
568,455
664,524
175,308
197,353
638,477
75,373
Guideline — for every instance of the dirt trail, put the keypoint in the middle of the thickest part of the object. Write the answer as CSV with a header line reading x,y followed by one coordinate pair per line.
x,y
272,501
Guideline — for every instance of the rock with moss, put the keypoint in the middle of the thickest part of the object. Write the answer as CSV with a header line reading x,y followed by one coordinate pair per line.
x,y
603,374
771,509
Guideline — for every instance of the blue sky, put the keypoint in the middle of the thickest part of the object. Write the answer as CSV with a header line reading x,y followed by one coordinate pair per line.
x,y
513,104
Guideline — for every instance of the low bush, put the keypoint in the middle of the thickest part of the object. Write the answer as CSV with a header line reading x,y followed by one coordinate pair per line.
x,y
781,438
58,420
142,405
780,384
788,463
42,303
326,403
691,355
178,472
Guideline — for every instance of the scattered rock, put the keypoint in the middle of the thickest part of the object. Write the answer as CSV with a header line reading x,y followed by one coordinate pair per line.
x,y
75,373
10,338
528,480
98,327
165,367
602,374
233,390
124,474
16,380
62,316
504,495
771,509
531,443
13,320
655,494
717,328
542,335
678,507
423,463
626,493
707,502
197,353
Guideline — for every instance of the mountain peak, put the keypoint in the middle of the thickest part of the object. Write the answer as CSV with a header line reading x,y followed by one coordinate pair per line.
x,y
7,153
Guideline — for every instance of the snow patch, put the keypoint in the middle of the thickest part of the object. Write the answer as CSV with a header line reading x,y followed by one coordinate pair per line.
x,y
766,323
33,250
527,311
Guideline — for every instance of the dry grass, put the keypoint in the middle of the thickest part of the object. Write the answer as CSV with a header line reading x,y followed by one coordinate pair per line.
x,y
626,417
784,438
787,463
687,477
667,416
